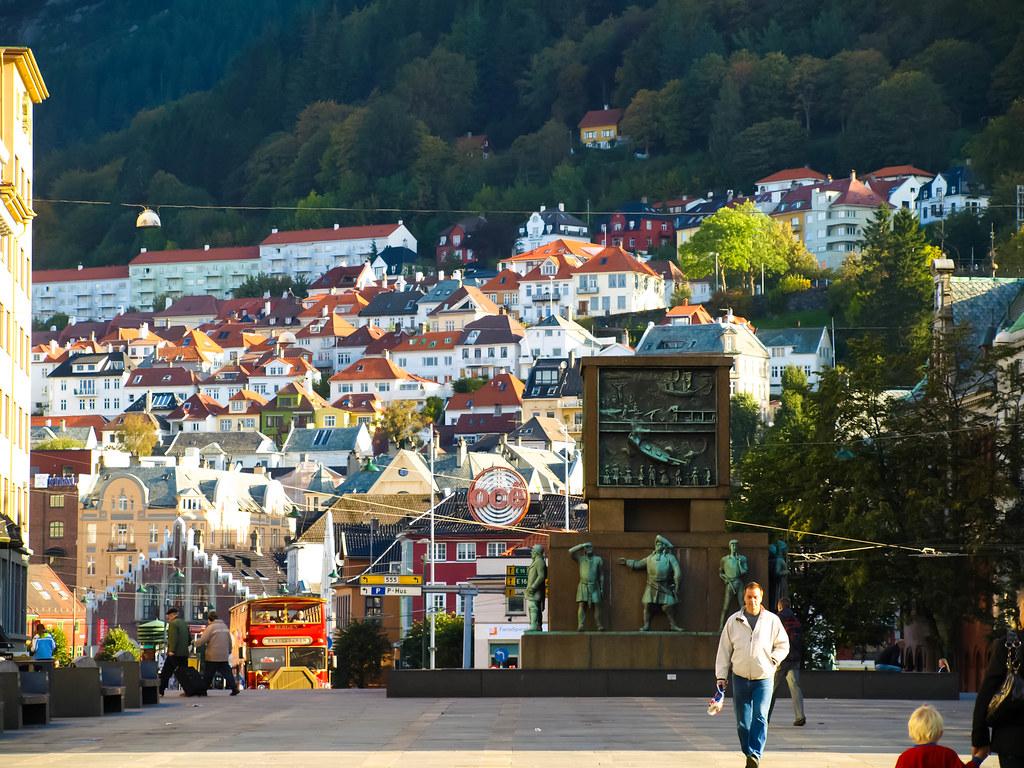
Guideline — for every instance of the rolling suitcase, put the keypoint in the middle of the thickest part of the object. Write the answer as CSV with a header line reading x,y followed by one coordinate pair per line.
x,y
190,680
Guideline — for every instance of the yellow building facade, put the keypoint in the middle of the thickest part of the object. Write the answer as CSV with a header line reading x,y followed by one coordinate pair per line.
x,y
21,88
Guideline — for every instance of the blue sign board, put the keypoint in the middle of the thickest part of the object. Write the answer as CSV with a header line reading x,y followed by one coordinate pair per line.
x,y
501,655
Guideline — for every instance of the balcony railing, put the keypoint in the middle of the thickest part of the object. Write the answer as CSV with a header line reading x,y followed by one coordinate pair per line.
x,y
547,297
90,391
587,289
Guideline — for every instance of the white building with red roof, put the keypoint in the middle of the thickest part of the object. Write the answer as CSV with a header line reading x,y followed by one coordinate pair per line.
x,y
503,290
789,178
197,414
86,293
501,395
382,376
548,288
321,337
839,211
613,282
312,252
599,128
430,355
178,381
338,279
461,308
211,271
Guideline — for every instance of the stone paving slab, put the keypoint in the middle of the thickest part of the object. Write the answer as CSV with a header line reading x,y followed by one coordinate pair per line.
x,y
364,729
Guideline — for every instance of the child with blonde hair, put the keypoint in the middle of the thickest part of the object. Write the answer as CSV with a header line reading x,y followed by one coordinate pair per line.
x,y
925,728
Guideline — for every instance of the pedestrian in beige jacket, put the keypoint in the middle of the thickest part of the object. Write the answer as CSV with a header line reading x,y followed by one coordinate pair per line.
x,y
216,640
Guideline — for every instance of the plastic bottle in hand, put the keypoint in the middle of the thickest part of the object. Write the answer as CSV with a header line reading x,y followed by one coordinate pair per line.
x,y
717,702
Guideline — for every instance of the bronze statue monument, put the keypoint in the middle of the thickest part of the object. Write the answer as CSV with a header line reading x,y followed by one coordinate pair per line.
x,y
663,582
731,570
536,578
591,586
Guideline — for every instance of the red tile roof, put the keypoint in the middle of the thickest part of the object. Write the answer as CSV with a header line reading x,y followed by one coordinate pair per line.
x,y
614,259
198,407
424,342
375,369
595,118
85,274
899,170
154,378
506,280
95,421
196,254
361,403
450,304
696,312
504,389
334,325
341,233
856,192
792,174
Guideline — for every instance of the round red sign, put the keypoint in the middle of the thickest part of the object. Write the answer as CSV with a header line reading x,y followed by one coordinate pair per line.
x,y
498,497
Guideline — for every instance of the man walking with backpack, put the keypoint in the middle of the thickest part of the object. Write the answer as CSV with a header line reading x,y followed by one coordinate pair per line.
x,y
216,639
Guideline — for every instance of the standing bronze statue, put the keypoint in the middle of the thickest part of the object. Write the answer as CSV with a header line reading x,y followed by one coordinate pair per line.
x,y
536,580
663,581
591,586
731,570
778,579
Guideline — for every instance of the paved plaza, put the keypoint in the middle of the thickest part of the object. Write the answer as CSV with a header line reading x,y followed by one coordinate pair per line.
x,y
364,729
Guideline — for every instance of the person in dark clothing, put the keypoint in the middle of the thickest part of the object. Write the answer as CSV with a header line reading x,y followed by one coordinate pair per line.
x,y
1007,738
891,659
177,647
789,669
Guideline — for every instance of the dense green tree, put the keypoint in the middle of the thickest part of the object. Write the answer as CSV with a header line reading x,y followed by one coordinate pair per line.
x,y
892,290
964,87
467,385
641,120
58,320
745,242
433,409
360,650
805,87
115,641
401,422
962,236
439,90
765,147
744,423
448,637
59,443
997,150
257,286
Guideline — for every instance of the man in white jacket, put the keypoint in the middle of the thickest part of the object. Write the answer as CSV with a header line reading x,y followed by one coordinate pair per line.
x,y
753,644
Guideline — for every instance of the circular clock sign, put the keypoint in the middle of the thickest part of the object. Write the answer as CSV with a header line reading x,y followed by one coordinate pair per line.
x,y
498,497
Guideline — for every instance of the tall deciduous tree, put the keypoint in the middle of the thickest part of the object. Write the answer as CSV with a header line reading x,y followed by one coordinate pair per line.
x,y
138,434
400,421
745,241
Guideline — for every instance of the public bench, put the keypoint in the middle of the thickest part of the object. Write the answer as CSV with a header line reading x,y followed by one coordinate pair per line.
x,y
149,680
86,689
24,696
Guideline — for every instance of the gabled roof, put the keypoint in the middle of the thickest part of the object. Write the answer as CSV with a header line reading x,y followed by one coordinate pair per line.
x,y
480,424
234,335
197,407
346,303
668,270
324,439
565,269
506,280
569,381
493,329
332,325
805,341
363,336
364,403
502,390
696,312
467,225
792,174
339,277
307,399
232,373
191,306
339,233
595,118
855,192
94,420
392,303
375,369
899,170
424,342
196,254
984,303
694,339
150,378
231,443
614,259
385,343
541,429
462,299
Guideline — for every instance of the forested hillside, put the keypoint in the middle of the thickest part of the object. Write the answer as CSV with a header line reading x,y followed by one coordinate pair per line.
x,y
357,105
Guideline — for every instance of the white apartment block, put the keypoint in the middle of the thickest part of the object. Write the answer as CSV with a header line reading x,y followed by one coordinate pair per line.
x,y
86,293
200,271
309,253
90,383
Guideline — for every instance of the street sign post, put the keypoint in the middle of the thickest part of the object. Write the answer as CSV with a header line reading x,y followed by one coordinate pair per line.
x,y
389,578
391,591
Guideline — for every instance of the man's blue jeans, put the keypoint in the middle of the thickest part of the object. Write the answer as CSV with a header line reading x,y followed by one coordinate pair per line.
x,y
752,698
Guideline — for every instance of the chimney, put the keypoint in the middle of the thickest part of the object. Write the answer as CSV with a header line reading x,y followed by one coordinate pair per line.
x,y
605,107
79,267
853,175
259,469
63,425
543,208
561,206
206,247
149,400
336,227
440,275
167,302
142,250
266,306
644,199
273,231
462,451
